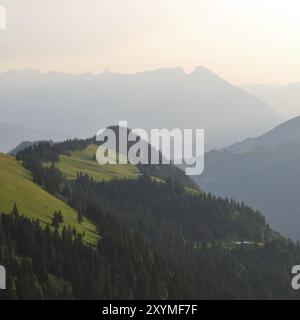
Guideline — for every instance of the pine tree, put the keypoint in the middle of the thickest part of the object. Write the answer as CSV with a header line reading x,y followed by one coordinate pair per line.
x,y
15,211
55,220
60,217
79,217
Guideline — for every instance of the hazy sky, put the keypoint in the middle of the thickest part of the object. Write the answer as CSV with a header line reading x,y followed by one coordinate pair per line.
x,y
241,40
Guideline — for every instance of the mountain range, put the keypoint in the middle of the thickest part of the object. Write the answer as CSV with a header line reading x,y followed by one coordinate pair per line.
x,y
73,229
80,105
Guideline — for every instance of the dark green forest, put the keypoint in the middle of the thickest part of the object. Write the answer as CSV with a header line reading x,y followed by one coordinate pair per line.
x,y
157,241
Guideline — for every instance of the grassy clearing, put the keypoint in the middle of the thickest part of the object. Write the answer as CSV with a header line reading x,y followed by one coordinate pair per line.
x,y
16,186
83,161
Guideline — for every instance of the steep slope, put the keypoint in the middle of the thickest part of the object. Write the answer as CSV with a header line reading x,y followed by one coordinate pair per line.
x,y
157,242
287,132
166,98
264,173
16,186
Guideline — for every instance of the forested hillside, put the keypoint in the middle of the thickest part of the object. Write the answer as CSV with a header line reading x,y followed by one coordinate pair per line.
x,y
264,173
156,241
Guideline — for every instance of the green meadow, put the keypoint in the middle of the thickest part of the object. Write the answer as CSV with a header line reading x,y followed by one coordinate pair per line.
x,y
84,161
16,185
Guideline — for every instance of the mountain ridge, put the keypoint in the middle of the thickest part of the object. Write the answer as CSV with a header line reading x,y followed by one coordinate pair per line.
x,y
165,98
262,172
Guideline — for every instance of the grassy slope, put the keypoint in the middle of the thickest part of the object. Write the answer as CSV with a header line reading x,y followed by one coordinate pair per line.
x,y
32,200
83,161
16,185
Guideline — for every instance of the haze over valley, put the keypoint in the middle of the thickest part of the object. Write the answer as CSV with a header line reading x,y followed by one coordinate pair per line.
x,y
80,105
284,99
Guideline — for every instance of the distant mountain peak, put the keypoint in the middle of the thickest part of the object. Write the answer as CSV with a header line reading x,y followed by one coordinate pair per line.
x,y
201,69
203,74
